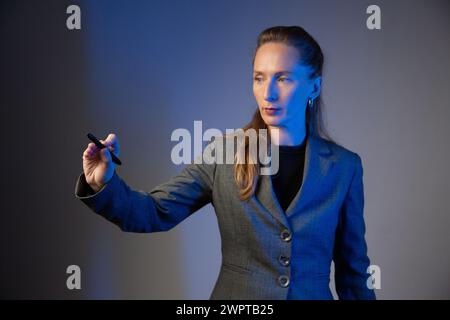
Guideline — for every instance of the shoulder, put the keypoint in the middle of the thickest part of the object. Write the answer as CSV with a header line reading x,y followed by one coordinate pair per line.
x,y
348,163
343,154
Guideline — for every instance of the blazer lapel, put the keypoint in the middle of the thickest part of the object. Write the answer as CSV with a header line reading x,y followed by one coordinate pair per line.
x,y
316,166
266,195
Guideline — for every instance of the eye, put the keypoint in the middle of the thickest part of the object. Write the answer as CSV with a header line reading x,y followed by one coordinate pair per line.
x,y
258,79
283,79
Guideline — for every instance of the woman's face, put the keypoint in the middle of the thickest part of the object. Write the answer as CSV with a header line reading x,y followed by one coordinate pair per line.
x,y
281,85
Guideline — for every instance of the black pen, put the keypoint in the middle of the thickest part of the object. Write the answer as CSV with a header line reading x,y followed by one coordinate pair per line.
x,y
100,145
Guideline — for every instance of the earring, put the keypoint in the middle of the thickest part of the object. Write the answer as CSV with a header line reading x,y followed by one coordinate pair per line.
x,y
310,102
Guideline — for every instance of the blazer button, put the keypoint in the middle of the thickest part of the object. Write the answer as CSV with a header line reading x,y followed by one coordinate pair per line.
x,y
283,281
284,261
286,235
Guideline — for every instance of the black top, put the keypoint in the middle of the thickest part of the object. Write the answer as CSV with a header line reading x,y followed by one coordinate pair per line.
x,y
287,181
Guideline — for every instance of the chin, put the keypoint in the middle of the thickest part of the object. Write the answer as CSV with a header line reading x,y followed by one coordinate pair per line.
x,y
272,121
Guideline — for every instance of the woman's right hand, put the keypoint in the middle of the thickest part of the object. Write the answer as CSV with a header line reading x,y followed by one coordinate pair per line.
x,y
98,166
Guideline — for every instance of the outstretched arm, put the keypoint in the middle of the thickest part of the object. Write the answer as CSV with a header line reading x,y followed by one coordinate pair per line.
x,y
160,209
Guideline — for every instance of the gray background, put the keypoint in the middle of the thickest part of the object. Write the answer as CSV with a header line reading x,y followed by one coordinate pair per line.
x,y
144,68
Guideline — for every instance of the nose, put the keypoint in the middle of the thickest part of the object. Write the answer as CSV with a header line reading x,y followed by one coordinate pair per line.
x,y
270,93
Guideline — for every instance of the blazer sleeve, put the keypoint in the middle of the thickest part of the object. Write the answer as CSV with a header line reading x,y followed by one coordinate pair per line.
x,y
350,252
160,209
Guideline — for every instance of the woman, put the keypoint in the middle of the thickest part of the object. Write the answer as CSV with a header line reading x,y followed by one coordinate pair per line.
x,y
279,233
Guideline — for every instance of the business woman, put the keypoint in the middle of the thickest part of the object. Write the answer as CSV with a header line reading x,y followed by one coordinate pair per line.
x,y
279,232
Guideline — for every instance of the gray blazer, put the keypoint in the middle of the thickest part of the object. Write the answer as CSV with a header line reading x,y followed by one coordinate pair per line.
x,y
266,253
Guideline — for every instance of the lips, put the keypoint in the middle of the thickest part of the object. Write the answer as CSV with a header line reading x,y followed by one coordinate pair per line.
x,y
271,111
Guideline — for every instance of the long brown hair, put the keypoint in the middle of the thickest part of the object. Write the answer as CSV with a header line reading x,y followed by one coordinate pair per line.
x,y
246,174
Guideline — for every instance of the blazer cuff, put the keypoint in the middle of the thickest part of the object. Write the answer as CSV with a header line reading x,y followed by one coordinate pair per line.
x,y
96,200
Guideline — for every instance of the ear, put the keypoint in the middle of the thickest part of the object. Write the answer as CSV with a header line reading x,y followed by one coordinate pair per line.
x,y
316,86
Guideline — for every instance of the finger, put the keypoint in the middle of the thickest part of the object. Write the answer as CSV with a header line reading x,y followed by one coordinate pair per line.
x,y
112,141
92,147
105,155
90,151
87,154
106,145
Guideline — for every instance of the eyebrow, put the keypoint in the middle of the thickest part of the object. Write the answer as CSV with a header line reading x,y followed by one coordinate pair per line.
x,y
276,73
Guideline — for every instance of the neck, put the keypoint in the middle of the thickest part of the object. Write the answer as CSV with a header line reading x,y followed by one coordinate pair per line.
x,y
287,137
